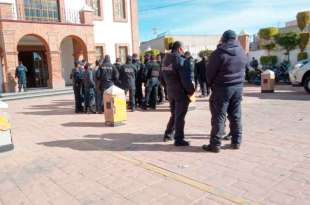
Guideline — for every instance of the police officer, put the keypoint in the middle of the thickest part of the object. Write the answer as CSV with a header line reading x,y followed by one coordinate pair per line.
x,y
202,68
225,75
196,73
127,77
152,83
117,65
189,64
21,75
179,87
76,76
88,87
139,79
107,74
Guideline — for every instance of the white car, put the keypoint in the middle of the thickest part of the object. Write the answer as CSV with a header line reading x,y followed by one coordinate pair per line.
x,y
300,74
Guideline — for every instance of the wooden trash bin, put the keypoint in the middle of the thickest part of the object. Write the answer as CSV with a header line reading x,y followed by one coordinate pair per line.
x,y
268,81
6,142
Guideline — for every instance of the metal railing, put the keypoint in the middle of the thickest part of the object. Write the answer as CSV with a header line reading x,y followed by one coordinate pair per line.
x,y
44,14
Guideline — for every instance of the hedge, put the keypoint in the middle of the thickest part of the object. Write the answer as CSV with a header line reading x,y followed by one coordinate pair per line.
x,y
268,60
304,41
302,56
268,33
303,19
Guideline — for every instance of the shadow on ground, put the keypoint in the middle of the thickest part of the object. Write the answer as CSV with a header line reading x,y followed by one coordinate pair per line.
x,y
124,142
56,107
282,95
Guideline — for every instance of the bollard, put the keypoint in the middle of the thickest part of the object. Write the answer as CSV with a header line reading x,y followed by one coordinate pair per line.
x,y
6,142
114,106
268,81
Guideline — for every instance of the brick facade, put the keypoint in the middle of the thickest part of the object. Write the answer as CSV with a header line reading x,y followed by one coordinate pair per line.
x,y
51,35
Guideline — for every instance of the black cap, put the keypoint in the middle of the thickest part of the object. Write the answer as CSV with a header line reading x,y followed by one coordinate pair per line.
x,y
229,35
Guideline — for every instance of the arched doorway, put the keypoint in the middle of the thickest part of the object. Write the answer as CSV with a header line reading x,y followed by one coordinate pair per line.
x,y
72,48
32,51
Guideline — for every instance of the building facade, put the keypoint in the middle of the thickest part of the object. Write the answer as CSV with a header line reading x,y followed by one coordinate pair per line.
x,y
49,35
192,43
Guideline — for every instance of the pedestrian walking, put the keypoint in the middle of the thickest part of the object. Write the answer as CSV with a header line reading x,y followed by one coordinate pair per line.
x,y
21,75
179,87
128,80
88,87
225,75
152,83
76,77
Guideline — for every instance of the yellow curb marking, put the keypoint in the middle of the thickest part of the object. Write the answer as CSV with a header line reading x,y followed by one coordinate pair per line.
x,y
186,180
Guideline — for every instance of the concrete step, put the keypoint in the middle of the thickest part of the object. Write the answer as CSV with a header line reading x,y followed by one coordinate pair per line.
x,y
35,93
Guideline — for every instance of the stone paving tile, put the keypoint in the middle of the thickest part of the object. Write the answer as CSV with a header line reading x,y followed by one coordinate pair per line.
x,y
64,158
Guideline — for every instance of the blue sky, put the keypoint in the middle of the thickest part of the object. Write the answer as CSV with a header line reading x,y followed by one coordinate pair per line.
x,y
214,16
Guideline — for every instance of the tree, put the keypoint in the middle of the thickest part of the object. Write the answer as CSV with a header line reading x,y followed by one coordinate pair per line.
x,y
289,41
168,42
303,19
205,53
267,35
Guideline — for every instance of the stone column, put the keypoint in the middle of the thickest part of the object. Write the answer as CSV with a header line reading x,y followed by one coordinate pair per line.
x,y
134,26
244,40
87,15
56,80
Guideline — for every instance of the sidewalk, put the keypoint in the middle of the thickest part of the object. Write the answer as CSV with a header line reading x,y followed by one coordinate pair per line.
x,y
64,158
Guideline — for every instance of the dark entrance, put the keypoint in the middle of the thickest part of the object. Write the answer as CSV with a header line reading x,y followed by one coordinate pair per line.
x,y
35,61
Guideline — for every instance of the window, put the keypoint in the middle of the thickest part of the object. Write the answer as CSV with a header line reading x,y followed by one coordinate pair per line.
x,y
99,52
119,10
123,53
96,5
41,10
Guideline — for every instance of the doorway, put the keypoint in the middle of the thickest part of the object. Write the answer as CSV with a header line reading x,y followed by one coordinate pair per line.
x,y
32,53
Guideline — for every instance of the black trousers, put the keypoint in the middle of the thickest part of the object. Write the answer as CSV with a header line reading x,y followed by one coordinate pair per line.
x,y
176,122
223,101
78,98
139,93
132,96
203,87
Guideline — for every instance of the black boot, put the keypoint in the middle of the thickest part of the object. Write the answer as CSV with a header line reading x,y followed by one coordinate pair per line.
x,y
210,148
181,143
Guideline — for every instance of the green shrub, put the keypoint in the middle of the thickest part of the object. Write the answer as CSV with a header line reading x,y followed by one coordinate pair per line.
x,y
304,41
168,42
302,56
268,60
303,19
153,52
268,33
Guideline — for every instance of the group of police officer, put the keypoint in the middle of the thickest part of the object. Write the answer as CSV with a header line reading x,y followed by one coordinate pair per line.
x,y
139,80
222,76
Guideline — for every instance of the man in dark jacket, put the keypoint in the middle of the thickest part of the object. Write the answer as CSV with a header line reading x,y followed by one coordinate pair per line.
x,y
139,79
152,83
202,70
106,74
118,65
179,87
128,80
76,77
88,86
21,75
225,75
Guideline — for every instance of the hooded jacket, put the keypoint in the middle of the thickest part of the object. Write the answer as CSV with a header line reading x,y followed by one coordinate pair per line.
x,y
227,65
107,74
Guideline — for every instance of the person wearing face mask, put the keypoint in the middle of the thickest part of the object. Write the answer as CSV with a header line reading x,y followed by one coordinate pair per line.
x,y
179,87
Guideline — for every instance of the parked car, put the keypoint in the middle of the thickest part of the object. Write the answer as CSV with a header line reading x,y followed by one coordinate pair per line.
x,y
300,74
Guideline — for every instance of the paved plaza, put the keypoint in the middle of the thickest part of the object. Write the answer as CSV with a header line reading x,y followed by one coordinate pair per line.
x,y
64,158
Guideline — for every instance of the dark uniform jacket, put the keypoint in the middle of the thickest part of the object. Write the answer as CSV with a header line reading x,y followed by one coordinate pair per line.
x,y
189,65
227,65
88,80
176,77
76,76
202,70
107,74
127,76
